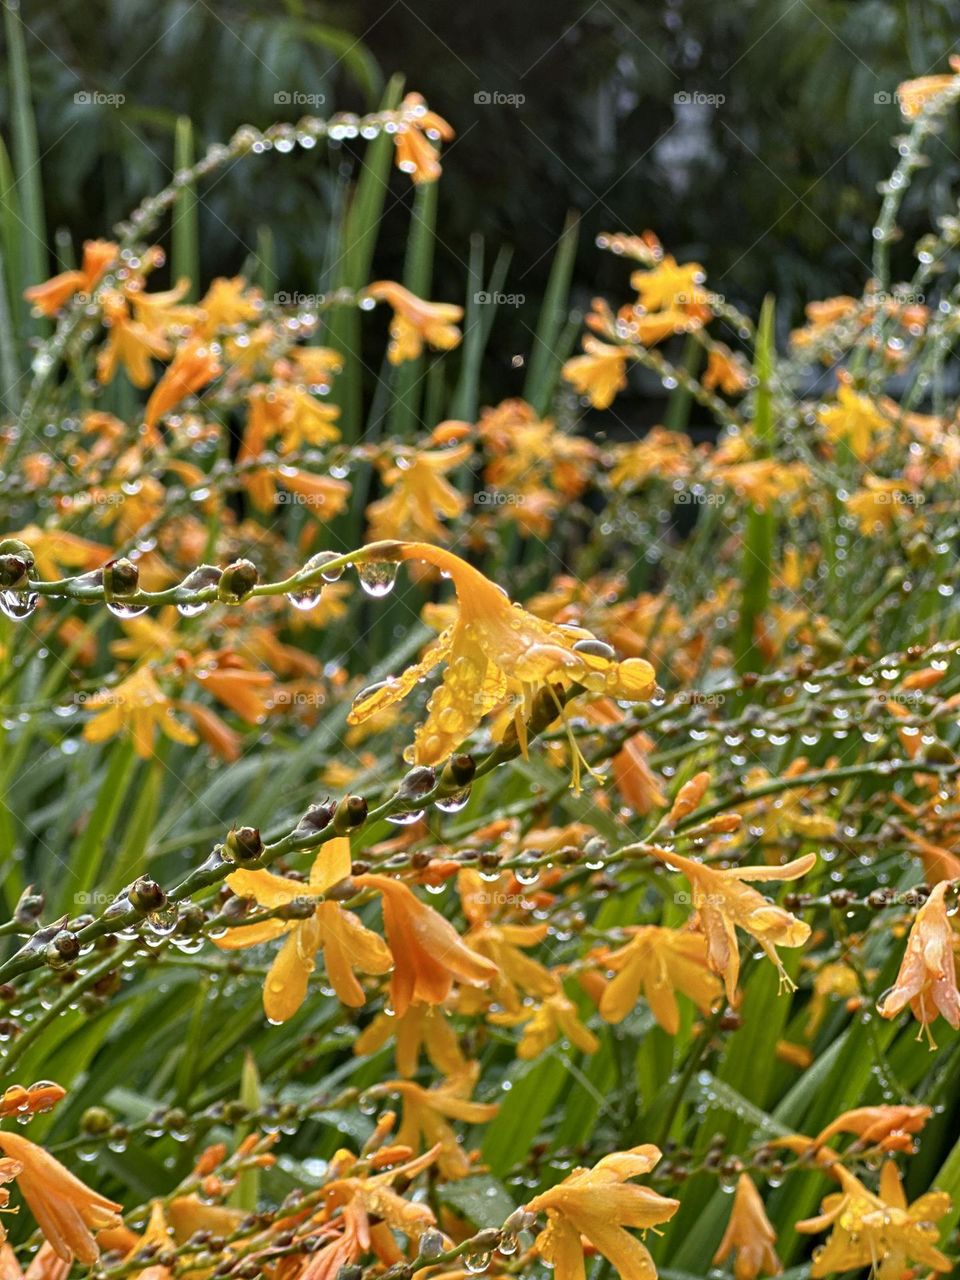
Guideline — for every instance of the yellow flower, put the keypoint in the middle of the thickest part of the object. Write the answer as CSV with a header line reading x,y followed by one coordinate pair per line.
x,y
416,321
890,1127
50,296
750,1232
345,942
139,706
659,962
722,902
670,285
599,1203
856,419
428,952
229,302
66,1209
878,1231
555,1019
417,130
763,481
879,503
419,495
600,373
423,1027
193,367
427,1112
927,980
492,646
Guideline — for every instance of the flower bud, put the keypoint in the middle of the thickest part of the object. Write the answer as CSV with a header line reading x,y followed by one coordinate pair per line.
x,y
458,771
16,563
120,578
146,895
350,812
237,581
61,952
96,1120
317,817
29,907
243,845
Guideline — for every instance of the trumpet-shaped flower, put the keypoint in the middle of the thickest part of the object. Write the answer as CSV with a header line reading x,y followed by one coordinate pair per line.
x,y
600,373
494,648
751,1234
428,952
423,1028
555,1019
67,1211
419,494
194,365
417,130
723,902
927,980
599,1204
49,297
878,1231
346,944
427,1114
416,321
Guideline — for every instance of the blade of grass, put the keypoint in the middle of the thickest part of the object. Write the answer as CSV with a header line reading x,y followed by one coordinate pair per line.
x,y
544,367
185,229
417,277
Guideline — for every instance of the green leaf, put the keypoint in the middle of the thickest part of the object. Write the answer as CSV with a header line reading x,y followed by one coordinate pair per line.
x,y
482,1200
185,228
544,368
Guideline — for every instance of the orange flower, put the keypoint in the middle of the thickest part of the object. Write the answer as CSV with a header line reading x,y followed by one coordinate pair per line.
x,y
670,285
750,1232
428,952
346,943
416,321
555,1019
722,902
194,365
725,370
422,1027
66,1209
856,419
927,980
129,343
913,95
50,296
890,1127
417,130
419,495
598,1204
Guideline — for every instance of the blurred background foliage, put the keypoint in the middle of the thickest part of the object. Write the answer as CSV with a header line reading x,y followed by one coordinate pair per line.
x,y
774,188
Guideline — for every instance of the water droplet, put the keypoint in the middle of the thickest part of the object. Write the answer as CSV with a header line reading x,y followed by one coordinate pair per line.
x,y
18,604
120,609
454,803
378,577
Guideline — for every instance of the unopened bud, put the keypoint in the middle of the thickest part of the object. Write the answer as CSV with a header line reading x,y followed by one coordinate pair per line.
x,y
458,771
96,1120
16,563
146,895
237,581
61,952
29,906
121,578
243,845
350,812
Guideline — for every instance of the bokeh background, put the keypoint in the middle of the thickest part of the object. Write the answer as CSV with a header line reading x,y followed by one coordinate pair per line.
x,y
751,136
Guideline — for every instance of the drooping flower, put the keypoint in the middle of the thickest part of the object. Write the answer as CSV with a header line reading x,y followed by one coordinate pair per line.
x,y
599,1204
428,953
722,902
416,321
417,130
891,1127
129,345
659,962
751,1234
194,365
556,1018
856,419
138,705
346,943
67,1211
49,297
880,1231
927,980
600,373
492,649
726,371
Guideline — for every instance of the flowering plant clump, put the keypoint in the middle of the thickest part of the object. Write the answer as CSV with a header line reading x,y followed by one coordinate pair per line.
x,y
463,840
